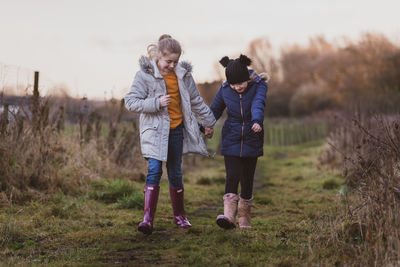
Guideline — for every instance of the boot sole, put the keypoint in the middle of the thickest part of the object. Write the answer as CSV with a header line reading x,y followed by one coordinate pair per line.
x,y
225,224
183,227
145,230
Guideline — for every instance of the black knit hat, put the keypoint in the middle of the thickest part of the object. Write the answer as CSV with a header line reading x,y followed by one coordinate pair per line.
x,y
236,69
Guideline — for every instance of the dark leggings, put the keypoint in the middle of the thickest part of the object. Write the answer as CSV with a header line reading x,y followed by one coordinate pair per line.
x,y
240,170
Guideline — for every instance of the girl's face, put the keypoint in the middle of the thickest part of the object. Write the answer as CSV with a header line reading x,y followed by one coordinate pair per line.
x,y
167,63
240,87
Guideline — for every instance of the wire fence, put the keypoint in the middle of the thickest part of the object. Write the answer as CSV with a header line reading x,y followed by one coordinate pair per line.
x,y
284,134
18,80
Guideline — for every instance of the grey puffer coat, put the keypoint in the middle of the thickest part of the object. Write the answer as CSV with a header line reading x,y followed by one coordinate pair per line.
x,y
154,122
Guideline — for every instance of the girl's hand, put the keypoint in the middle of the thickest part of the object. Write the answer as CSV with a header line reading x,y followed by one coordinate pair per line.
x,y
208,132
256,127
165,100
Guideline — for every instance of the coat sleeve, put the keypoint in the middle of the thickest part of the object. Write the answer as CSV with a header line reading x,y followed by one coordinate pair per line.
x,y
136,100
218,105
258,104
198,106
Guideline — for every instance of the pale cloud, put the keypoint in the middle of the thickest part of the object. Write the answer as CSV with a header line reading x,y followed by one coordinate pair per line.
x,y
93,45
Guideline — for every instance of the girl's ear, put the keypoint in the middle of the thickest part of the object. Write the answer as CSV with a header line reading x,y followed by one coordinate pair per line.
x,y
245,60
224,61
157,56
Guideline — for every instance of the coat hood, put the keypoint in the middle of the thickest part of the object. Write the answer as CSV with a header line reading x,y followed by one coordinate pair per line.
x,y
149,66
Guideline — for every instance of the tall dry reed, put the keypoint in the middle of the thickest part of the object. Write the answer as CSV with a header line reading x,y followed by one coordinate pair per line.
x,y
37,157
367,230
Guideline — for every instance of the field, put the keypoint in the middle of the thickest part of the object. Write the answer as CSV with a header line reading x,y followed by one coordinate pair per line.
x,y
293,196
327,190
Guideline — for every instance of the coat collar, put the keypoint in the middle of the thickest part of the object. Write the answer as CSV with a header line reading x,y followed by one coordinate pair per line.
x,y
150,66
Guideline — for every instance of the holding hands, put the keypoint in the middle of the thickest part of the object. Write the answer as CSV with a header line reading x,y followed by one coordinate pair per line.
x,y
208,132
256,127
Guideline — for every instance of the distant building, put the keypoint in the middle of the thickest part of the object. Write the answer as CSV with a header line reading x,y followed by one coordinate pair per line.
x,y
16,104
12,111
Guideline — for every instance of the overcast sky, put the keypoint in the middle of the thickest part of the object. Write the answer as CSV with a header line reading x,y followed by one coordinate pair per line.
x,y
93,46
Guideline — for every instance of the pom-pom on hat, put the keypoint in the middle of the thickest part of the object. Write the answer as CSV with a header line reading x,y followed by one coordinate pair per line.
x,y
236,69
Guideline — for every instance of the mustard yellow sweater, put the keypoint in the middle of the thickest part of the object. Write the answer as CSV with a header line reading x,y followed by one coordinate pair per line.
x,y
174,108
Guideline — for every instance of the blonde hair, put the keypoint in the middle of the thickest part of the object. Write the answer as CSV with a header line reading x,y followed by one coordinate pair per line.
x,y
166,45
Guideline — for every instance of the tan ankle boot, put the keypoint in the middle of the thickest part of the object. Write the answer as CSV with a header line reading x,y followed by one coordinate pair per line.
x,y
244,212
227,221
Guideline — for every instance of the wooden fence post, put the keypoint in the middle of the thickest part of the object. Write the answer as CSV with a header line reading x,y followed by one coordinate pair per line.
x,y
35,103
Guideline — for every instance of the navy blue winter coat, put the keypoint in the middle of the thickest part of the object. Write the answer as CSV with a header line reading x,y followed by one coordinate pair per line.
x,y
243,110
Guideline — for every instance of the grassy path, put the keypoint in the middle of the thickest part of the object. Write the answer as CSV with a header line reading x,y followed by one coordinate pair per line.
x,y
290,201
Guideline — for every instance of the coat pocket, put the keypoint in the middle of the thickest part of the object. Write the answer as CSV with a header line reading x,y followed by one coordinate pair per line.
x,y
145,128
255,139
148,122
149,138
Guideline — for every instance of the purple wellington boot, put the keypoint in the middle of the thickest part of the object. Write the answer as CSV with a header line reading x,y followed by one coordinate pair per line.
x,y
150,205
180,219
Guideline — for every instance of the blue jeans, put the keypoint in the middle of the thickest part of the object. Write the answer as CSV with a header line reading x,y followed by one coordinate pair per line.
x,y
174,161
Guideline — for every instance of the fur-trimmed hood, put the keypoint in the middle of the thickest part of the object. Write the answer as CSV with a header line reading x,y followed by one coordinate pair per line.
x,y
263,76
149,66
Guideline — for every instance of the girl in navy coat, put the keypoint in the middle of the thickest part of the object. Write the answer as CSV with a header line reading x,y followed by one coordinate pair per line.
x,y
243,95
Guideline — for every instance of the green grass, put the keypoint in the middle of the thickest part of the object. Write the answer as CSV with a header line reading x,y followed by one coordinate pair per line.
x,y
132,201
112,191
99,228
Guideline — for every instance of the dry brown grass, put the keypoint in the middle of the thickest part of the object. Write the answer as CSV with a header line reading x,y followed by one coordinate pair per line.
x,y
38,158
367,231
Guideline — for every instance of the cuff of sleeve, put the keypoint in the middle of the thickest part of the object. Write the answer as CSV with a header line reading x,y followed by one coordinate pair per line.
x,y
202,129
157,104
209,123
257,121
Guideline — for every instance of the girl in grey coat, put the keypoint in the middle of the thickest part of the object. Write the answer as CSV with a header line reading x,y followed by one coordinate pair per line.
x,y
166,96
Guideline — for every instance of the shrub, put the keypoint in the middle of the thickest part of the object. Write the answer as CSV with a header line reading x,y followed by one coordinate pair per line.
x,y
371,156
41,155
310,98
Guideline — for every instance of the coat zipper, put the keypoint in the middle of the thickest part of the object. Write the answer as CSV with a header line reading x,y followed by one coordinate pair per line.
x,y
241,112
